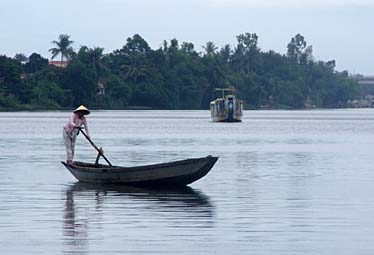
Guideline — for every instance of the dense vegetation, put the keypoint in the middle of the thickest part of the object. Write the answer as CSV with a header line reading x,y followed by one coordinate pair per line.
x,y
175,76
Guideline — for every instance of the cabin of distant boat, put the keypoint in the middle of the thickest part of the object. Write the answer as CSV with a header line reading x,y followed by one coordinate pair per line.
x,y
226,108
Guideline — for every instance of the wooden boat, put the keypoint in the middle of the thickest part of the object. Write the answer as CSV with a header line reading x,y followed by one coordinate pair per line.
x,y
226,108
178,173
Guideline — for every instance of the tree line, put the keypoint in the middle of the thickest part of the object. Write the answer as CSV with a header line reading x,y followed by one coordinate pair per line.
x,y
174,76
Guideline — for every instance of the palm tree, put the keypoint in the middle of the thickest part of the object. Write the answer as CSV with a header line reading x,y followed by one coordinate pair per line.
x,y
63,47
210,48
135,51
135,69
95,60
225,53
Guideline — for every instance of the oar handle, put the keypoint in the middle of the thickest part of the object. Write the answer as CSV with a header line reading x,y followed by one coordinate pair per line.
x,y
93,145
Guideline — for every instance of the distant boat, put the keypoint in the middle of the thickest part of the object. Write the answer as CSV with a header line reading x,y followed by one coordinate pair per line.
x,y
226,108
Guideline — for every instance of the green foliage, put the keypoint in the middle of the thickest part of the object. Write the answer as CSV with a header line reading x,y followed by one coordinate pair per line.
x,y
175,76
8,102
79,79
21,58
47,95
296,47
117,93
36,63
11,86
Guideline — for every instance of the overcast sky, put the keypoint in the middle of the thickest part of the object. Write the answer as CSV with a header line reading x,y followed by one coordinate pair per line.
x,y
337,29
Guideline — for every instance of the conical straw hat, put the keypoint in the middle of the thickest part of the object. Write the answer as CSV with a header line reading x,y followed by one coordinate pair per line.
x,y
82,109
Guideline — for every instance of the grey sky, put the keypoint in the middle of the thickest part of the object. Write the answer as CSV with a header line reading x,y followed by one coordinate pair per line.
x,y
341,30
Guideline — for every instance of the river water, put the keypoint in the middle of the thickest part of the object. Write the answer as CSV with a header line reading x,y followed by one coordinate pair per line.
x,y
286,182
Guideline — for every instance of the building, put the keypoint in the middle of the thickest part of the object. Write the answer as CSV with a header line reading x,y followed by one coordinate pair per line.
x,y
62,64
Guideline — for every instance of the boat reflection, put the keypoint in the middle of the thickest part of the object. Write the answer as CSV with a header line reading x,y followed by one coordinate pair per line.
x,y
86,206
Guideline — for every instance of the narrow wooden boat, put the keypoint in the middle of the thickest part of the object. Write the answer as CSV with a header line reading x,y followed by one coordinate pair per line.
x,y
178,173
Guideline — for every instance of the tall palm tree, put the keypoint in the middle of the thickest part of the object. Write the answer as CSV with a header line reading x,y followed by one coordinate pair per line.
x,y
95,60
63,47
210,48
225,53
135,69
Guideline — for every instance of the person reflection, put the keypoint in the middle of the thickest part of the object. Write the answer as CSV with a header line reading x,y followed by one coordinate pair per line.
x,y
75,231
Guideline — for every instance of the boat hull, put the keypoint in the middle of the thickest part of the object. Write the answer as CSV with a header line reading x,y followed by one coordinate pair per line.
x,y
178,173
226,118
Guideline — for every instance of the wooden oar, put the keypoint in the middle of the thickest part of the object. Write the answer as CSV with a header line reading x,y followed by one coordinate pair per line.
x,y
98,150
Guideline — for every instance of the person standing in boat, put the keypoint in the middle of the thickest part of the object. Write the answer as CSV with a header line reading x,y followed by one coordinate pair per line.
x,y
71,130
